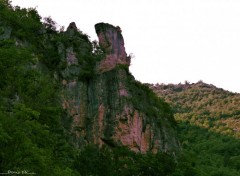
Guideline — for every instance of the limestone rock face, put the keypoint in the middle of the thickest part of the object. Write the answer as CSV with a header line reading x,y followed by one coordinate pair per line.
x,y
104,110
112,43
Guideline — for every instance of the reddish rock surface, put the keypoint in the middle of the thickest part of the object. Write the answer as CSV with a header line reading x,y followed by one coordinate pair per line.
x,y
112,43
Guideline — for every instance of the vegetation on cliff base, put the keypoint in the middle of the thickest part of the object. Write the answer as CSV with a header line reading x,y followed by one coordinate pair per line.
x,y
122,162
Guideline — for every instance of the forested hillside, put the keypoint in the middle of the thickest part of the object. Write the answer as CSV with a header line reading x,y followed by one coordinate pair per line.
x,y
32,137
208,125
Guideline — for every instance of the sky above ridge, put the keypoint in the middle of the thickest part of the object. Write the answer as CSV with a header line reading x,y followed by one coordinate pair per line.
x,y
172,40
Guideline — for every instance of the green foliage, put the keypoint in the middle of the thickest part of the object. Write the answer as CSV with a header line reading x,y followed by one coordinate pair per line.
x,y
24,22
213,153
121,161
204,105
31,134
208,127
153,106
11,61
186,165
29,118
88,65
21,151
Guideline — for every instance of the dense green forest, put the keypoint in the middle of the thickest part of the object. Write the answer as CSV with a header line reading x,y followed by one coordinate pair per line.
x,y
208,125
32,137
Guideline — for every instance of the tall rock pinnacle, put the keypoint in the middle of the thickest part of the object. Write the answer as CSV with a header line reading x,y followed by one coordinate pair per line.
x,y
112,43
111,108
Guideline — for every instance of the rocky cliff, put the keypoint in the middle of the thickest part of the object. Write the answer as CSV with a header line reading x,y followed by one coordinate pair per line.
x,y
105,105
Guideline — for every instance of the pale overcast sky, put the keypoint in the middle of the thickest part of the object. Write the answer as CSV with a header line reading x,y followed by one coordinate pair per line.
x,y
172,40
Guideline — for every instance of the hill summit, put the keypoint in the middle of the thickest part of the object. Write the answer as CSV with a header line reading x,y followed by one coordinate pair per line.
x,y
204,105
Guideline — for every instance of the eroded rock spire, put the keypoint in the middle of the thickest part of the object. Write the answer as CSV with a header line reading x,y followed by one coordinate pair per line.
x,y
112,43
